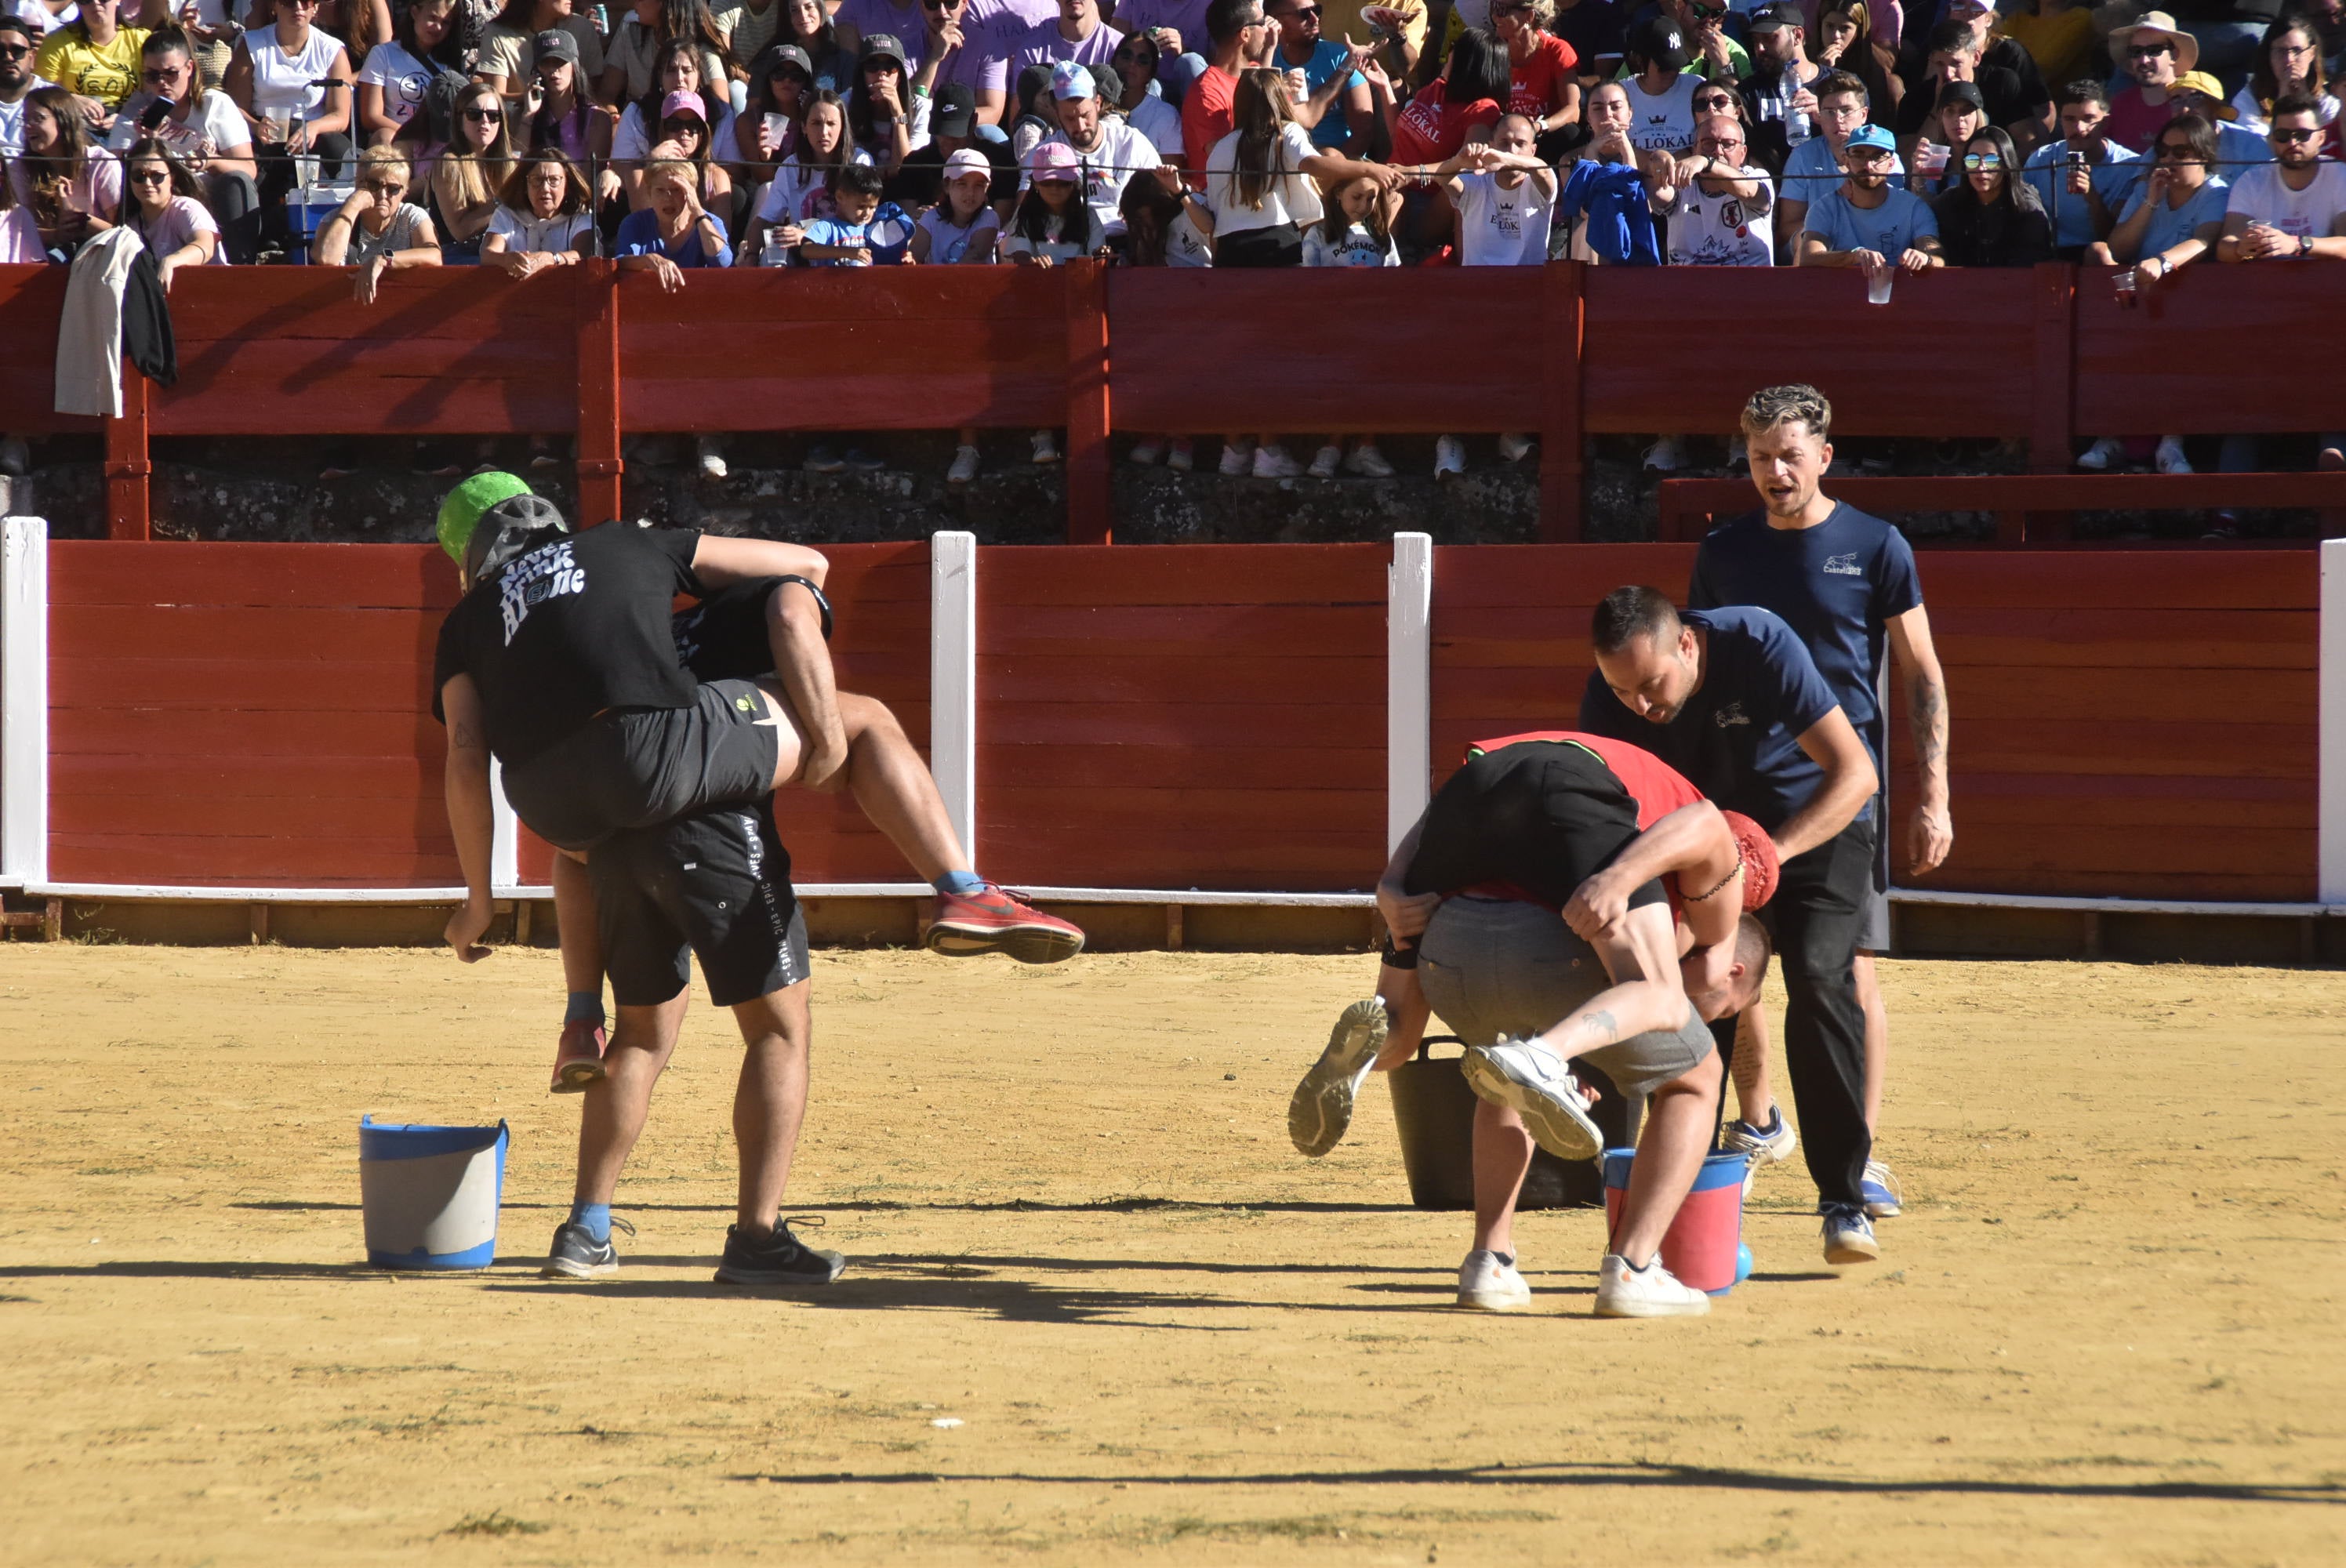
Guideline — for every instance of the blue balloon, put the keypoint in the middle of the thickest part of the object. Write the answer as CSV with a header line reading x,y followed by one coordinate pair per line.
x,y
1742,1263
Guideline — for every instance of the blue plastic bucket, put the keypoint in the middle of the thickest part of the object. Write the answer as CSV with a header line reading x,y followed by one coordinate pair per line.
x,y
429,1195
1704,1235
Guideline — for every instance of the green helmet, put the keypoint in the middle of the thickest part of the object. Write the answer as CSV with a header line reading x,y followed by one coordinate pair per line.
x,y
462,510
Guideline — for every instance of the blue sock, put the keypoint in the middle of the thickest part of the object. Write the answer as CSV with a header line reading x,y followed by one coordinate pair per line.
x,y
586,1005
959,883
595,1217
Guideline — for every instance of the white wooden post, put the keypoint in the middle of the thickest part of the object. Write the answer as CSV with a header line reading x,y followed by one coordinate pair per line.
x,y
504,838
24,702
2330,832
953,679
1408,684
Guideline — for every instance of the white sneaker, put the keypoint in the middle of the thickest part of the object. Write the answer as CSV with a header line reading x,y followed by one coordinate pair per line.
x,y
1237,461
1273,463
1514,446
1767,1144
1449,456
1325,462
1488,1282
1145,453
1322,1108
1046,449
1663,456
712,461
2101,454
2170,458
1879,1190
1849,1235
964,465
1530,1079
1181,456
1367,461
1652,1291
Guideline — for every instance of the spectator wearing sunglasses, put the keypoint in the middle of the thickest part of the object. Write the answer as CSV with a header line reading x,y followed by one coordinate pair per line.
x,y
2294,206
2155,53
1992,218
1999,56
1815,168
1134,65
468,174
1712,49
1935,155
1871,223
95,58
17,79
2083,176
1335,107
2175,216
162,202
1716,204
968,47
203,132
1955,57
377,230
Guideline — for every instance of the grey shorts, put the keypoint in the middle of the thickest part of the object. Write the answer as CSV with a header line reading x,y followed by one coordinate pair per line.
x,y
639,767
1491,968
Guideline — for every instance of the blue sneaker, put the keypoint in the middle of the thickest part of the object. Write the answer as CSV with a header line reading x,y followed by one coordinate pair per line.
x,y
1767,1144
1880,1189
1849,1235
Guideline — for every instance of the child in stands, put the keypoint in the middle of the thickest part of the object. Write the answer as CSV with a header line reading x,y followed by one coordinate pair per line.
x,y
1356,231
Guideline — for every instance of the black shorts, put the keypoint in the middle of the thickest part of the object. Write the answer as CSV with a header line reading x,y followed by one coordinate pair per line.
x,y
638,768
716,884
723,637
1540,815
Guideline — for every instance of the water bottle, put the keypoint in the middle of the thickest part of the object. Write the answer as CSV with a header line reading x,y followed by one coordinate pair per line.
x,y
1796,123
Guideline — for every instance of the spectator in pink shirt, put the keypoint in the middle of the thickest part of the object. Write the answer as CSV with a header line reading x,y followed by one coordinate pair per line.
x,y
2154,52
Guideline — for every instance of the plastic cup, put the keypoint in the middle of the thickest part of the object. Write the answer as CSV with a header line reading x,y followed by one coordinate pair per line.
x,y
1877,287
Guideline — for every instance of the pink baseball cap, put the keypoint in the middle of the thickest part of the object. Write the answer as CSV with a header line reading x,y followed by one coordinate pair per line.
x,y
968,160
1054,160
680,102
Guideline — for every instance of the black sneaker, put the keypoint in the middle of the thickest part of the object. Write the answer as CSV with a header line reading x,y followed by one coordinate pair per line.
x,y
577,1255
780,1259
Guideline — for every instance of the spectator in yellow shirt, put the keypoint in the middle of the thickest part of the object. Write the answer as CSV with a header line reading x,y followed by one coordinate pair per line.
x,y
95,58
2057,34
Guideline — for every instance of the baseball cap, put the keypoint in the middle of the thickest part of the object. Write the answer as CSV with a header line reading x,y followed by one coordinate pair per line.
x,y
1962,93
680,102
776,56
1775,19
1873,137
461,509
1070,80
2207,87
953,111
886,43
1054,160
1658,39
553,44
968,160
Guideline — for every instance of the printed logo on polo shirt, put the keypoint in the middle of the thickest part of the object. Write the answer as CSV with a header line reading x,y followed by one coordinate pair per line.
x,y
1732,714
540,575
1844,565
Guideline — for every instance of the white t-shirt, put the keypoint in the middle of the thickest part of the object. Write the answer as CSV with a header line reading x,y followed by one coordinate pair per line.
x,y
181,221
1723,231
1159,121
11,126
632,140
283,84
2256,122
1067,239
1500,227
796,190
1185,244
2311,213
1663,120
1292,198
1118,153
402,77
215,120
42,22
1358,247
950,244
525,231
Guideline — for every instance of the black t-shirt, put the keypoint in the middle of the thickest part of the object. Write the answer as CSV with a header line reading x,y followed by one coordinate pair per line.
x,y
1595,29
569,630
922,180
2003,93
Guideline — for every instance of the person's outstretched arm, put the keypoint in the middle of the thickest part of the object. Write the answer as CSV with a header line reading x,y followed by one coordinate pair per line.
x,y
465,785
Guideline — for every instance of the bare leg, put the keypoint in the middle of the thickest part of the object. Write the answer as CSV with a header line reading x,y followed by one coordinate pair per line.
x,y
1755,1094
574,920
802,665
890,782
1877,1035
617,1105
1678,1123
1503,1153
770,1103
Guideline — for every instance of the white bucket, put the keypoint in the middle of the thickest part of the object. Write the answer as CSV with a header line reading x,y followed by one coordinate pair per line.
x,y
429,1195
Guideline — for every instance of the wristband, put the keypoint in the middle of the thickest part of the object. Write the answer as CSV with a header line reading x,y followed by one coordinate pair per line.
x,y
919,91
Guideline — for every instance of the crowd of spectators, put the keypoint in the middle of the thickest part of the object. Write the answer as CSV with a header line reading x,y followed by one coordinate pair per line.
x,y
673,136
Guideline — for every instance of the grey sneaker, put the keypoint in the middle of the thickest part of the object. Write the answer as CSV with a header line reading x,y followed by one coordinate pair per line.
x,y
1529,1078
1849,1235
780,1258
1322,1108
577,1255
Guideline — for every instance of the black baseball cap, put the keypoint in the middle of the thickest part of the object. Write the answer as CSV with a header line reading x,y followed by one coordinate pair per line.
x,y
1774,18
1962,93
1658,40
954,112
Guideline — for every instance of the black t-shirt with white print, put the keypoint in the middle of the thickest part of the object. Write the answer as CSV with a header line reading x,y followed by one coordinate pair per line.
x,y
571,628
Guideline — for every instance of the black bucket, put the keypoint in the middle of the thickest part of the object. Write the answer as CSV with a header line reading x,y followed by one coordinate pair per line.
x,y
1434,1111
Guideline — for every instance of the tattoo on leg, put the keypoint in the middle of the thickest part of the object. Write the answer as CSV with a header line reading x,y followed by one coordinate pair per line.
x,y
1604,1024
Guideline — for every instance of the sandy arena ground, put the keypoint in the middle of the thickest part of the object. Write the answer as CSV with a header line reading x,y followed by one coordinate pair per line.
x,y
2105,1331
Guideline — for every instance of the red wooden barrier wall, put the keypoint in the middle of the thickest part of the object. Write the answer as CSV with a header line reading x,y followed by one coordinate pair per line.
x,y
1182,716
2131,724
246,714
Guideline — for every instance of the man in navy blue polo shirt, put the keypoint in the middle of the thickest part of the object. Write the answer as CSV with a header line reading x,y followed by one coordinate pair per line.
x,y
1846,584
1731,699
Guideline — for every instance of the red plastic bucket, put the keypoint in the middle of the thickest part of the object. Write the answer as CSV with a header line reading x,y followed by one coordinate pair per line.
x,y
1699,1246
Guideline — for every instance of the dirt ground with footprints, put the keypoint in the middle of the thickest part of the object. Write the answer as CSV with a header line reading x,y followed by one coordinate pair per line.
x,y
1099,1310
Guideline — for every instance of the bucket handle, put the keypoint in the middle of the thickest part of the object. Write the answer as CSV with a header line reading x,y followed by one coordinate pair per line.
x,y
1424,1040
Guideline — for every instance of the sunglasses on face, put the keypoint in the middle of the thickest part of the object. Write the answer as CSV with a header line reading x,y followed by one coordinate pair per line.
x,y
1312,13
2292,135
16,52
150,176
1975,161
162,77
484,116
2179,149
1702,13
382,190
2149,51
1721,103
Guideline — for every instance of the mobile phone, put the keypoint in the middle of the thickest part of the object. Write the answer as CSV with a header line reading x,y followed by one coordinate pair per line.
x,y
156,113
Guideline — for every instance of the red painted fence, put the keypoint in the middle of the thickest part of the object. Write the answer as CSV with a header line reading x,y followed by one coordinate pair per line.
x,y
1563,350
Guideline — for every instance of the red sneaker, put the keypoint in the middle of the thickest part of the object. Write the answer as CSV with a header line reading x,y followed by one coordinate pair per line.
x,y
579,1060
996,920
